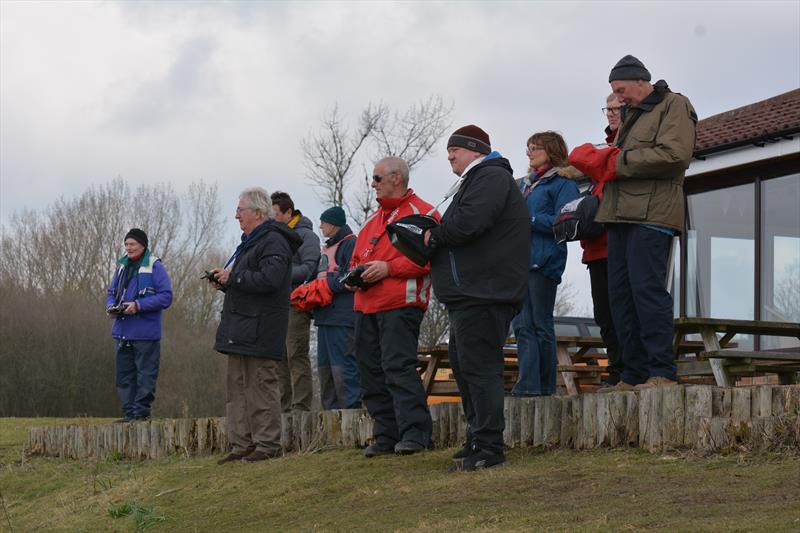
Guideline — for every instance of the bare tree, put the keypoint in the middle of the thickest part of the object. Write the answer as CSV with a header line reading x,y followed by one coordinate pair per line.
x,y
435,326
565,299
332,154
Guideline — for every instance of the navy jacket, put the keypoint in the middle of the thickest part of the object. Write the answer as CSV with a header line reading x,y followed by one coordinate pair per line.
x,y
255,313
340,312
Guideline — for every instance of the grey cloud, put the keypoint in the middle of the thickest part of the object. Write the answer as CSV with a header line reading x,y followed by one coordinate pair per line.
x,y
156,102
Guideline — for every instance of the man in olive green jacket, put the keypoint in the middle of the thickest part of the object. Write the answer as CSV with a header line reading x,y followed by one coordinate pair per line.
x,y
643,207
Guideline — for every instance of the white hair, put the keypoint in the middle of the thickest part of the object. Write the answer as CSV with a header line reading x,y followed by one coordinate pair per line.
x,y
258,199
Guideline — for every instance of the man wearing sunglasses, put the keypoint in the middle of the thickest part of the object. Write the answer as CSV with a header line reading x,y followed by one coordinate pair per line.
x,y
389,305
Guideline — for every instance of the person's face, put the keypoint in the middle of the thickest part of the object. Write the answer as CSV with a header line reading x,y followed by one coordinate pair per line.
x,y
613,108
133,248
280,216
247,216
328,230
385,183
537,157
631,92
460,158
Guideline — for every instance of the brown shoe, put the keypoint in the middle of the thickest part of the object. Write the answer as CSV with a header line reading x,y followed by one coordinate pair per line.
x,y
232,457
621,386
655,382
260,455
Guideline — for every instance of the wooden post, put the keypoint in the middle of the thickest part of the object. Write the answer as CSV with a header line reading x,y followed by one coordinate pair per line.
x,y
511,414
673,415
698,406
527,413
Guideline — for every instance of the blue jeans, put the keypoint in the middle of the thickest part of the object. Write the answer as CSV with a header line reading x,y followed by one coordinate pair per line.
x,y
536,338
338,369
640,303
137,372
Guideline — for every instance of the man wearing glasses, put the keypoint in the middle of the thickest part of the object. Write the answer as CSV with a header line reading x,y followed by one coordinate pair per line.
x,y
391,299
595,257
643,207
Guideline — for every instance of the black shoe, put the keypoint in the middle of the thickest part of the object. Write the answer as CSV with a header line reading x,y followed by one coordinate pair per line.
x,y
464,452
231,457
374,450
260,455
408,447
479,460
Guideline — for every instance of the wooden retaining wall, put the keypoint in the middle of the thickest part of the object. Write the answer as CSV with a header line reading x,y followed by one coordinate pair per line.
x,y
700,417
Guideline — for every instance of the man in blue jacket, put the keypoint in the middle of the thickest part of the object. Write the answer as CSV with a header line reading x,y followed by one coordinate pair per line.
x,y
139,292
336,360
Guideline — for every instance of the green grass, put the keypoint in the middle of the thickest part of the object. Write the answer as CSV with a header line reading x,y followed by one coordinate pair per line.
x,y
342,491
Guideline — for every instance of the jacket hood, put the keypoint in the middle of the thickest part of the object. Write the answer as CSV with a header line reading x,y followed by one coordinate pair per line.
x,y
304,223
498,161
291,235
569,172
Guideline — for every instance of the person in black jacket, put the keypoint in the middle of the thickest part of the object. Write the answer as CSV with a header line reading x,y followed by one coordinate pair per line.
x,y
255,316
480,272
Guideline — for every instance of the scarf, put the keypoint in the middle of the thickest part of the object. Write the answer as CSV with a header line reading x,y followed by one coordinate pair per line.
x,y
142,268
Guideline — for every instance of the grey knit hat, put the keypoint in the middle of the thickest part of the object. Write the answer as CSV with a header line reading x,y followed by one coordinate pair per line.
x,y
629,68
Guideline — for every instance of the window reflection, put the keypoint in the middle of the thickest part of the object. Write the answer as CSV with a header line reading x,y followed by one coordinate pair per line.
x,y
780,256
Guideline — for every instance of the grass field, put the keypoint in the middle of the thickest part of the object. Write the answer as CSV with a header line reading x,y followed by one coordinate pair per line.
x,y
341,491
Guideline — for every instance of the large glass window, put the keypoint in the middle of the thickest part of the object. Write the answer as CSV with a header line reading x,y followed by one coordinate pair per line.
x,y
780,255
720,248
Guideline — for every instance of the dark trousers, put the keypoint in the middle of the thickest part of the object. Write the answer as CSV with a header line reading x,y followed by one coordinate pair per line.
x,y
338,371
136,375
477,336
386,350
598,275
640,303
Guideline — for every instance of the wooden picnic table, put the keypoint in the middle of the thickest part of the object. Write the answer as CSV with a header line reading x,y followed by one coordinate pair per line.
x,y
724,363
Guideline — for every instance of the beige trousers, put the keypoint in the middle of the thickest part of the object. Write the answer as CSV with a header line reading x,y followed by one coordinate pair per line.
x,y
254,406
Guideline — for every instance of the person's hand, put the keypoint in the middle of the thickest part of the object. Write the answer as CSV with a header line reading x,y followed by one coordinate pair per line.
x,y
131,308
349,287
376,271
221,276
427,236
112,316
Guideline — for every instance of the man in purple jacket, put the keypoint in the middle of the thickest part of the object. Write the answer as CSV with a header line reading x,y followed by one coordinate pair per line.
x,y
139,291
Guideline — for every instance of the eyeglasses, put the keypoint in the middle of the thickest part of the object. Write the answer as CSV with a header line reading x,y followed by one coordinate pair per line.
x,y
611,110
377,178
530,150
240,209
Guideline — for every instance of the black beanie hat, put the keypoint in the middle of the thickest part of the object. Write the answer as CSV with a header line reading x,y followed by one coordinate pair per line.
x,y
137,235
629,68
472,138
334,215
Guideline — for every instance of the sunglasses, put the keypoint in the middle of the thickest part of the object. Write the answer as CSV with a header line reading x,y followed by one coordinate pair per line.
x,y
377,178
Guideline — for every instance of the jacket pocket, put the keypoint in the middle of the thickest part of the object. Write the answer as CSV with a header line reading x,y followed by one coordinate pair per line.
x,y
243,328
633,202
453,270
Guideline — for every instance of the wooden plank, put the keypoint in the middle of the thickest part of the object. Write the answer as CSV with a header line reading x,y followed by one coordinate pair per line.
x,y
673,416
511,410
769,355
582,369
712,343
688,325
568,377
698,405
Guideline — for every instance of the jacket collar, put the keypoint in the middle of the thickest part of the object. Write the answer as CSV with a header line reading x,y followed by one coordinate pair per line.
x,y
388,204
343,232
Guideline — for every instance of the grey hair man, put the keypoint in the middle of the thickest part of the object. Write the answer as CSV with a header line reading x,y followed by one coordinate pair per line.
x,y
255,316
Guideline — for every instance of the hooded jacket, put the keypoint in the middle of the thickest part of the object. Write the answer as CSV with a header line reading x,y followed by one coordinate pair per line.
x,y
548,194
656,141
408,284
305,260
483,244
340,312
255,313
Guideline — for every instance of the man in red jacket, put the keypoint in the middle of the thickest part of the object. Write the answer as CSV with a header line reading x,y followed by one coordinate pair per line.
x,y
595,257
389,309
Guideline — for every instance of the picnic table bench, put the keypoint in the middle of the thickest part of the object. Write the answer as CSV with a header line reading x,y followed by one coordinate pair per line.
x,y
724,363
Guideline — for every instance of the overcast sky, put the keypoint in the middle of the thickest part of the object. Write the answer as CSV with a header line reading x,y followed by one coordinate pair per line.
x,y
224,91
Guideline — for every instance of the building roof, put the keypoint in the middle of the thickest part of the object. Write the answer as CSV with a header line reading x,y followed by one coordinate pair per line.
x,y
756,123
